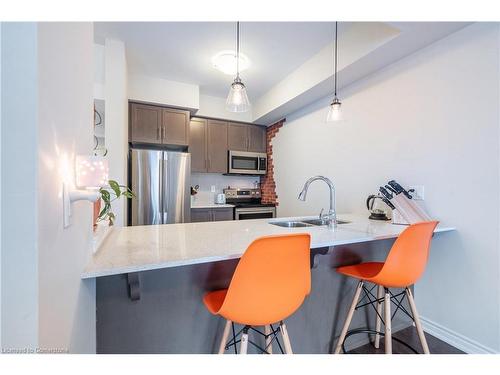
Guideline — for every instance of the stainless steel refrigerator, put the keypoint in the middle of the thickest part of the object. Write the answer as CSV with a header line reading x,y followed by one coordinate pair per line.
x,y
161,183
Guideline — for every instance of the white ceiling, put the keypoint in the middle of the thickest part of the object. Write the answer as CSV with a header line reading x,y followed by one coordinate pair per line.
x,y
182,51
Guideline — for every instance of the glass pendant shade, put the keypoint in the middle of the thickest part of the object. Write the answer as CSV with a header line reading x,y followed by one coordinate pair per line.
x,y
334,112
237,100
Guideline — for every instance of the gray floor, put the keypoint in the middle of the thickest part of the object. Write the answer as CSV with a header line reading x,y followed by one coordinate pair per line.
x,y
409,336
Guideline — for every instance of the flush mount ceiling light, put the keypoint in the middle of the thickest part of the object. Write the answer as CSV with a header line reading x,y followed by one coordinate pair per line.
x,y
334,113
237,100
225,61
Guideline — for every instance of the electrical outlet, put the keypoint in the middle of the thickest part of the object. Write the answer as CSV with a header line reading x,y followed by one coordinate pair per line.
x,y
212,189
418,194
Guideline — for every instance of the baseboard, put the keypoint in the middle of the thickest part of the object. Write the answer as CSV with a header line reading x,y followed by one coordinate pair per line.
x,y
459,341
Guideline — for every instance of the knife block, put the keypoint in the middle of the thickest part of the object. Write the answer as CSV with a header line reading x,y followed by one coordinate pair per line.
x,y
397,218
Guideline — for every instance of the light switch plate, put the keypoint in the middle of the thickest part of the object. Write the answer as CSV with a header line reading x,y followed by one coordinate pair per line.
x,y
212,189
418,194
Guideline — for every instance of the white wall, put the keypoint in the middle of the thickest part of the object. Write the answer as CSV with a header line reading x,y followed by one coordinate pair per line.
x,y
47,103
430,119
65,119
161,91
213,106
0,185
99,74
116,110
19,186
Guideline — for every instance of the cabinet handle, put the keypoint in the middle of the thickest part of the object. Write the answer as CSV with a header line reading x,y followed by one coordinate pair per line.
x,y
158,133
163,133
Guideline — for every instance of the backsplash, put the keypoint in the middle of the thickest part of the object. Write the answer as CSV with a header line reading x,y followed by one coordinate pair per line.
x,y
207,180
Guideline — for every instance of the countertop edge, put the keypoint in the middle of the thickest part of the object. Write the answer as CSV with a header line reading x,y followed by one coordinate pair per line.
x,y
179,263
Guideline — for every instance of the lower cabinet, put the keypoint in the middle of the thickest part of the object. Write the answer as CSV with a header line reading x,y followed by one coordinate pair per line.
x,y
199,215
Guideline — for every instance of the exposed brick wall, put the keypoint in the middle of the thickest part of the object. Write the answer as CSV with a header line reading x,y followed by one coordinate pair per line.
x,y
267,182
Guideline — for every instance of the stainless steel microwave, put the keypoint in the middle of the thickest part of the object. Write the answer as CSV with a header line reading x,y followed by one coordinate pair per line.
x,y
242,162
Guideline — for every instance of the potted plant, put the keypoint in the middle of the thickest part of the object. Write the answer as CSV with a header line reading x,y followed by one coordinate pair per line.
x,y
108,195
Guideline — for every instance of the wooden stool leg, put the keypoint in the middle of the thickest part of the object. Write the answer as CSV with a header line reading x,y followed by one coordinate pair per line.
x,y
269,346
349,317
387,318
244,342
286,339
416,318
380,295
225,335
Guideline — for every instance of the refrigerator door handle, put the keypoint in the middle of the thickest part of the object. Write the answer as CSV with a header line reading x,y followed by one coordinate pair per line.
x,y
165,191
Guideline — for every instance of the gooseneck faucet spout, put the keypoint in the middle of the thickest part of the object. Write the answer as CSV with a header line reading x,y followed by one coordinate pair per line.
x,y
331,217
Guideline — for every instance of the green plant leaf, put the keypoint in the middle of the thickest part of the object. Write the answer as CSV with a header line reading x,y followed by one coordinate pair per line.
x,y
106,197
115,186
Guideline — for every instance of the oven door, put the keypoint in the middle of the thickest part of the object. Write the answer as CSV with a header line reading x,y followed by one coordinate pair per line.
x,y
241,162
254,213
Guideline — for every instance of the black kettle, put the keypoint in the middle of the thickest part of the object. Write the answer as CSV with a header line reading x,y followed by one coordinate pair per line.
x,y
376,213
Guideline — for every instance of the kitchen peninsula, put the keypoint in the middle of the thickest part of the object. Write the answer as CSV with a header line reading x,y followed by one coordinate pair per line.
x,y
151,279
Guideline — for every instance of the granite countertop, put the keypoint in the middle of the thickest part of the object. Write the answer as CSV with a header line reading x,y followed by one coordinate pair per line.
x,y
142,248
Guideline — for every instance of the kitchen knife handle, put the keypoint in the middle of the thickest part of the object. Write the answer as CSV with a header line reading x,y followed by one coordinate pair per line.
x,y
385,193
399,188
387,202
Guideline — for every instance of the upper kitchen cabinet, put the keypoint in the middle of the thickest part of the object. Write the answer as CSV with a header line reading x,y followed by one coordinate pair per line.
x,y
175,127
246,137
237,137
208,145
158,125
256,138
198,144
217,146
145,123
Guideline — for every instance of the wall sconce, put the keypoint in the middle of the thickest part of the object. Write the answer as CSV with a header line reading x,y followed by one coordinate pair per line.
x,y
91,173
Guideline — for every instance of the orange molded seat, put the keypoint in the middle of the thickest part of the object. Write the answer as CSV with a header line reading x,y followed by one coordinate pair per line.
x,y
402,268
404,264
269,284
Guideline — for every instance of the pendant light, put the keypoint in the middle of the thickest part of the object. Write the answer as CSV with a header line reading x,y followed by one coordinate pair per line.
x,y
237,100
334,113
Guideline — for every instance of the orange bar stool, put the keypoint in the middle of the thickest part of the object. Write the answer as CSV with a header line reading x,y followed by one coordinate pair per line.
x,y
404,265
270,282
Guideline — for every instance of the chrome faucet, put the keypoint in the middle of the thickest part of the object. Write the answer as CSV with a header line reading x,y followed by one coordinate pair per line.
x,y
331,217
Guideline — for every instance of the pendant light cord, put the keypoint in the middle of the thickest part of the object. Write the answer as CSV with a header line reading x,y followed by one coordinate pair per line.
x,y
237,49
335,59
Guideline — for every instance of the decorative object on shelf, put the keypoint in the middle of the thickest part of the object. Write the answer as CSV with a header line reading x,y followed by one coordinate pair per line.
x,y
91,174
98,151
237,100
334,113
114,192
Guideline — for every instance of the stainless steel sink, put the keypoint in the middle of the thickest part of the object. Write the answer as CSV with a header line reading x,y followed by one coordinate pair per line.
x,y
291,224
304,223
323,222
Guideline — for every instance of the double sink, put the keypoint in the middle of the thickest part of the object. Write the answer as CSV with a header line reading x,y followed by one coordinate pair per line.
x,y
304,223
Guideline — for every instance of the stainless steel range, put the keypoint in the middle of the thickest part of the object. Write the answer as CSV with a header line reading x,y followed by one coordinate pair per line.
x,y
248,204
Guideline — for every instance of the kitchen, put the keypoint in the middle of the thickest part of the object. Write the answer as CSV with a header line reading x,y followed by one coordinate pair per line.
x,y
341,139
214,171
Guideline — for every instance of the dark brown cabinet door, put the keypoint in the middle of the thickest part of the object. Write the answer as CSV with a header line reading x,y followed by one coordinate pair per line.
x,y
237,137
145,123
217,146
175,127
198,144
256,138
222,214
199,215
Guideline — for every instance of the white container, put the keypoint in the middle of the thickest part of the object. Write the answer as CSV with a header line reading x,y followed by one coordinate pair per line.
x,y
220,198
